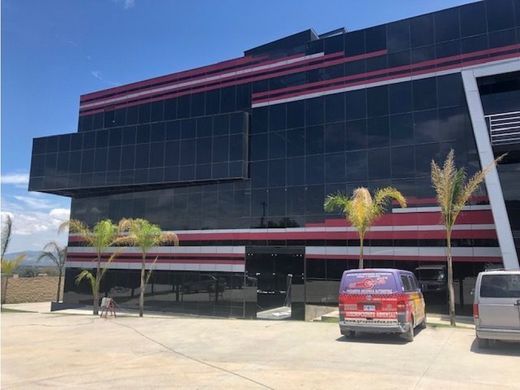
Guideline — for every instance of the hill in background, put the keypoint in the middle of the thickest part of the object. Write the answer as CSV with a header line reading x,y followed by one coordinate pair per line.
x,y
31,259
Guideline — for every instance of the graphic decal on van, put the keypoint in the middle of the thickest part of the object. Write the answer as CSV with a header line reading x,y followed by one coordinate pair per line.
x,y
369,283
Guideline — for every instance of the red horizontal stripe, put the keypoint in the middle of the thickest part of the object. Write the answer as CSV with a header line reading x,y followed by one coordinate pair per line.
x,y
397,219
164,82
461,259
314,63
350,235
183,75
261,96
161,255
337,83
331,84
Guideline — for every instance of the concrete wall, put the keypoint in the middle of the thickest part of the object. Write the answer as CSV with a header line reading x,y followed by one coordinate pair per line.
x,y
37,289
314,312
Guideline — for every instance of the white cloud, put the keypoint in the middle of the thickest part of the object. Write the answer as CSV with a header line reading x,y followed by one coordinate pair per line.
x,y
35,221
15,178
60,214
35,202
98,75
127,4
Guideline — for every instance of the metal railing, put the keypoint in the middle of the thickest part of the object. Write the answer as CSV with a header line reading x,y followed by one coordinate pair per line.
x,y
504,128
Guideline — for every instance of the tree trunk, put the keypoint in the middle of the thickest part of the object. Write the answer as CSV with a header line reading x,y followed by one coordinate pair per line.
x,y
361,239
141,294
95,306
451,292
59,287
4,285
95,309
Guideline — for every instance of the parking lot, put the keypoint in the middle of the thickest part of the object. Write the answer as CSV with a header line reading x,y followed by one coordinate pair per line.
x,y
57,351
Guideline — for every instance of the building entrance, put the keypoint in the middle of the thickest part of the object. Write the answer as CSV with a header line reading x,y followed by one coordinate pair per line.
x,y
279,276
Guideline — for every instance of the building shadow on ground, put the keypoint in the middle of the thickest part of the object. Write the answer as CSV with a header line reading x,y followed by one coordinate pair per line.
x,y
502,348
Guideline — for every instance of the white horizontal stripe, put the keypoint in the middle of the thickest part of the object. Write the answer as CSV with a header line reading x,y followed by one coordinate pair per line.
x,y
436,209
200,81
375,84
167,249
163,267
403,251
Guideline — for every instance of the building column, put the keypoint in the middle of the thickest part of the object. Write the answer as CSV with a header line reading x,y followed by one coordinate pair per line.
x,y
485,151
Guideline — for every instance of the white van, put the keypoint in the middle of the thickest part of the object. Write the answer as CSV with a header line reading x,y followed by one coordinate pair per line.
x,y
496,308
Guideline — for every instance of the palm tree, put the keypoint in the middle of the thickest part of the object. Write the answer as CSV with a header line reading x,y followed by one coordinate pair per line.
x,y
145,235
8,266
453,192
361,210
57,255
103,235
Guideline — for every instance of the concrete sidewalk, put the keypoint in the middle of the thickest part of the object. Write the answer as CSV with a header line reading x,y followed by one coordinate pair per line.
x,y
45,308
76,351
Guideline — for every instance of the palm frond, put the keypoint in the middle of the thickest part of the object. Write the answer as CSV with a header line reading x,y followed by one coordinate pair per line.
x,y
104,233
144,234
170,238
6,234
86,274
336,202
63,227
55,253
105,267
124,240
48,255
451,188
125,224
384,196
360,209
476,180
78,227
8,266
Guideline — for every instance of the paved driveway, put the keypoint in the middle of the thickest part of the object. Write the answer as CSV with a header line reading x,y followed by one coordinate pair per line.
x,y
58,351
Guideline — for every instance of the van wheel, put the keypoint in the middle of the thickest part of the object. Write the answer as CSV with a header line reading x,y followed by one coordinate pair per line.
x,y
349,334
423,323
483,343
409,334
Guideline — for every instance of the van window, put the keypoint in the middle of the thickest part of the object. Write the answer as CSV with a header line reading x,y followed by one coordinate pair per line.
x,y
368,283
405,280
500,286
413,281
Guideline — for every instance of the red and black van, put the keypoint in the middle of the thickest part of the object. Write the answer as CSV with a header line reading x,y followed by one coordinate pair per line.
x,y
380,301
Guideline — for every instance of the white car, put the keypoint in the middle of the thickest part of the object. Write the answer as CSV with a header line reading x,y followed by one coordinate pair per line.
x,y
496,308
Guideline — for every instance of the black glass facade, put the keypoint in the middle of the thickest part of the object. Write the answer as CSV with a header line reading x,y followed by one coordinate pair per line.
x,y
302,151
258,144
121,153
198,293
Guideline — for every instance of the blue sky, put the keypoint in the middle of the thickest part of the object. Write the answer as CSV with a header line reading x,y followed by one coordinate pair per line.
x,y
55,50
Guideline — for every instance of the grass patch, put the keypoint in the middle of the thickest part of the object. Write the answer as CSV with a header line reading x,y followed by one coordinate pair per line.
x,y
8,310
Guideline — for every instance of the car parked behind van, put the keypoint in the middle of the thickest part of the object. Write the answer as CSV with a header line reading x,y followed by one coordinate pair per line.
x,y
432,278
496,307
380,301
